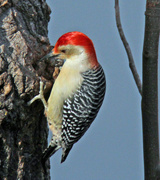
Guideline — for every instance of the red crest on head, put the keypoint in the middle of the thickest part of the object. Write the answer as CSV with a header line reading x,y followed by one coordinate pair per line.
x,y
78,39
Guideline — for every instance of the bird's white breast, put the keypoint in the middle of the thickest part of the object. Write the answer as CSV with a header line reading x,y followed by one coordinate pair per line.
x,y
68,81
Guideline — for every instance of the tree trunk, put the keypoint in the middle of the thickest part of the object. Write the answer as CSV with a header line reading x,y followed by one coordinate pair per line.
x,y
23,129
150,89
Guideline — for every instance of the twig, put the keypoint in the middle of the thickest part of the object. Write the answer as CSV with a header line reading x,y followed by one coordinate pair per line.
x,y
128,50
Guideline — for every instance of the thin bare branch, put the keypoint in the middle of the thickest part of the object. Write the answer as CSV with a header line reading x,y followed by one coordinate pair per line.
x,y
128,50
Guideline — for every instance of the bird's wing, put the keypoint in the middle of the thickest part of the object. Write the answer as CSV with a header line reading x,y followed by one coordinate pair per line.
x,y
80,110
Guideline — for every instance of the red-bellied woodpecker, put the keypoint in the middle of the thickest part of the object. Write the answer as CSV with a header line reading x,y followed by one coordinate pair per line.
x,y
76,95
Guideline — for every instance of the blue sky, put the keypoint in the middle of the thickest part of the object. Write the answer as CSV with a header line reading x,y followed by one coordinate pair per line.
x,y
112,147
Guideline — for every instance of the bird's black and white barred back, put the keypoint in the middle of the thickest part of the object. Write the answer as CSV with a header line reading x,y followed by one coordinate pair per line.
x,y
80,110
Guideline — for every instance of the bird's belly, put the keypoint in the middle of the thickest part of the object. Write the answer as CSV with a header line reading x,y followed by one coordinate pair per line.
x,y
63,87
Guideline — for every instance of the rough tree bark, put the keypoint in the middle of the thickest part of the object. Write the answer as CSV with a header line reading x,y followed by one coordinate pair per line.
x,y
23,129
150,89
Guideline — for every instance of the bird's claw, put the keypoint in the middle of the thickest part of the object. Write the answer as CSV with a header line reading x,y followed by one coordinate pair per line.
x,y
39,96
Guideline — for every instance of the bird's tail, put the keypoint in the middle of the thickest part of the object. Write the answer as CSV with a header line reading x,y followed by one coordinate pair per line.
x,y
48,152
65,152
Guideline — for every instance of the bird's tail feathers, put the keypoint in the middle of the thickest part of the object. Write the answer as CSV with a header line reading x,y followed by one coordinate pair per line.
x,y
65,152
48,152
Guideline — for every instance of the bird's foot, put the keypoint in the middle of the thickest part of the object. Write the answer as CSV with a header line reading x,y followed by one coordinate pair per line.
x,y
39,96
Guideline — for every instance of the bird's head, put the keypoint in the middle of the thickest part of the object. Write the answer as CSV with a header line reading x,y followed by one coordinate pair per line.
x,y
76,49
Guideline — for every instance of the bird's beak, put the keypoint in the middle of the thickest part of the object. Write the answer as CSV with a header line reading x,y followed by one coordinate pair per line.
x,y
53,59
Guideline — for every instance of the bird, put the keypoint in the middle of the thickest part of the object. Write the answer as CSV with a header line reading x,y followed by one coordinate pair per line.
x,y
77,93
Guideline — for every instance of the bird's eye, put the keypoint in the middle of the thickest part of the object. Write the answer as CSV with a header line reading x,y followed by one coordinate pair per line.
x,y
63,51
